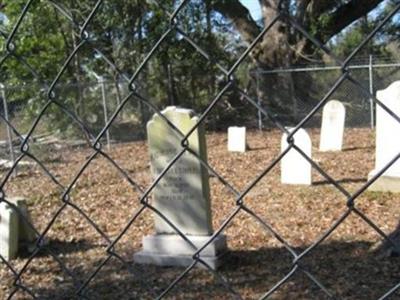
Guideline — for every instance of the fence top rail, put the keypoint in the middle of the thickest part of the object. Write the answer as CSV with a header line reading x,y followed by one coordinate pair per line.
x,y
325,68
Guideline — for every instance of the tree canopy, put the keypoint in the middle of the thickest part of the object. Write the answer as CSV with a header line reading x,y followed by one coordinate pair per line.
x,y
124,32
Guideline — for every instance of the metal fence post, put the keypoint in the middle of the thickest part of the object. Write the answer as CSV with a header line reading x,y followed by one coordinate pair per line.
x,y
9,133
258,101
103,96
371,91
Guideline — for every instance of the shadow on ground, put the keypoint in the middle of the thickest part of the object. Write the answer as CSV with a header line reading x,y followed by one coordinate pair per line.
x,y
348,270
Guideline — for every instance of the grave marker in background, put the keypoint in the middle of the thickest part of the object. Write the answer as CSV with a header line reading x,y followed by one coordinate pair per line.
x,y
295,169
332,127
15,232
182,195
237,139
8,231
387,140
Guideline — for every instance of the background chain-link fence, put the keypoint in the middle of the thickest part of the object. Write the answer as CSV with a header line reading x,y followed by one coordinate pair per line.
x,y
67,276
374,73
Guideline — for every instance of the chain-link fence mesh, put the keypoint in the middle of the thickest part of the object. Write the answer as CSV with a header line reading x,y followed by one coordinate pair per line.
x,y
66,263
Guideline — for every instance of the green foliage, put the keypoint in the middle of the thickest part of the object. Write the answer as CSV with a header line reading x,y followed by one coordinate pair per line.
x,y
348,40
125,31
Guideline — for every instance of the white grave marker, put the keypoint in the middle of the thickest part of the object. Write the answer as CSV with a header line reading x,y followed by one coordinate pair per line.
x,y
15,232
8,232
332,128
237,139
387,140
295,169
182,195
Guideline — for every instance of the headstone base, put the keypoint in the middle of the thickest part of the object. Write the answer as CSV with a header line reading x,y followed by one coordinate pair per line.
x,y
385,183
172,250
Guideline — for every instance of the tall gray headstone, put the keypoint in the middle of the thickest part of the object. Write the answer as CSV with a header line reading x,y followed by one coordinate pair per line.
x,y
332,127
182,195
387,141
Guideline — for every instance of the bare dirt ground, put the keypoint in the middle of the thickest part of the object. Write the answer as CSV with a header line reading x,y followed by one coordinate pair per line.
x,y
343,262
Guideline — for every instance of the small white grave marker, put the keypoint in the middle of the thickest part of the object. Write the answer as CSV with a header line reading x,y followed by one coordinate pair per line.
x,y
387,140
332,128
237,139
15,232
295,169
8,232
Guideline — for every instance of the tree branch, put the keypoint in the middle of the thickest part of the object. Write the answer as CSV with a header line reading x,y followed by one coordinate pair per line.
x,y
319,7
301,9
343,16
239,15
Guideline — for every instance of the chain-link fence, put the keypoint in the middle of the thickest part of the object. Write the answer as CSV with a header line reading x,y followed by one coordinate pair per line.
x,y
310,82
92,102
103,96
66,263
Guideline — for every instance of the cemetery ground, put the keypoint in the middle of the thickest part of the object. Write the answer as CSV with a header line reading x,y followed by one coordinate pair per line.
x,y
345,262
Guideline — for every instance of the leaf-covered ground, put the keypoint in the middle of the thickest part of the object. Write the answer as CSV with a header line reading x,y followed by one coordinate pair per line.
x,y
343,262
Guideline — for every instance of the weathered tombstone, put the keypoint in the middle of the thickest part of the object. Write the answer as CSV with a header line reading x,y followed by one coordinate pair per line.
x,y
15,232
237,139
295,169
26,234
387,140
332,127
182,195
